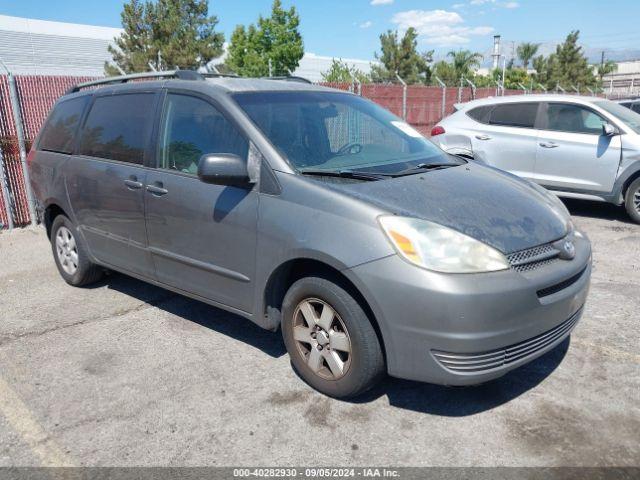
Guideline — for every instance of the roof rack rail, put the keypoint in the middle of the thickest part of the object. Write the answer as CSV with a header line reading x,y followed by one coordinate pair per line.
x,y
180,74
289,78
219,75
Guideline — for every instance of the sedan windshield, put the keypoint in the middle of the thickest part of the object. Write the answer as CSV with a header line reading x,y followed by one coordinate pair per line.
x,y
339,132
630,118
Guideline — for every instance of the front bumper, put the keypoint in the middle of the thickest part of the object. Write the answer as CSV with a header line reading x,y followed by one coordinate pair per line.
x,y
434,325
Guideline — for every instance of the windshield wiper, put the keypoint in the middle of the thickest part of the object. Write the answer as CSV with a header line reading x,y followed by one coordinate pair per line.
x,y
423,167
345,174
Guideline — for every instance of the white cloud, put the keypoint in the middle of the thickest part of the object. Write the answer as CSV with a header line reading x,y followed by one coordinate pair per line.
x,y
511,5
439,27
381,2
366,24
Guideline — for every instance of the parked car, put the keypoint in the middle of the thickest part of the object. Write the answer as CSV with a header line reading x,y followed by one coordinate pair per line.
x,y
315,211
632,104
580,147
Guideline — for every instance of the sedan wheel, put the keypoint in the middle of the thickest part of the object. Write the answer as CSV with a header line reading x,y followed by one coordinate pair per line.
x,y
322,338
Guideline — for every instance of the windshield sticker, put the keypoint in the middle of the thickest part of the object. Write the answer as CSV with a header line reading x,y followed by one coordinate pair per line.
x,y
407,129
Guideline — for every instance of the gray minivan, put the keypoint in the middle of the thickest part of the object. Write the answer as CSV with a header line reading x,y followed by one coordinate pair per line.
x,y
315,211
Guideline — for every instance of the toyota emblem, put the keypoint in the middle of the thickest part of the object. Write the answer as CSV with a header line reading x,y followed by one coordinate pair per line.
x,y
568,250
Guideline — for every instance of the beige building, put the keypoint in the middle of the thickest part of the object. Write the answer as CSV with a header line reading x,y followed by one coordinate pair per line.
x,y
625,81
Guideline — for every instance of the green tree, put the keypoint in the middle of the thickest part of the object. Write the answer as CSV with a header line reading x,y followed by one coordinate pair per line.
x,y
463,62
445,72
514,77
526,51
569,66
341,72
274,40
167,34
401,55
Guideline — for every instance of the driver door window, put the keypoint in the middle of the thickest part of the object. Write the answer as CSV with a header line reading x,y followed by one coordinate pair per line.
x,y
191,128
564,117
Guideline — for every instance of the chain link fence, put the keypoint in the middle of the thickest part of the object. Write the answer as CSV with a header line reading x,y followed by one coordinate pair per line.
x,y
421,106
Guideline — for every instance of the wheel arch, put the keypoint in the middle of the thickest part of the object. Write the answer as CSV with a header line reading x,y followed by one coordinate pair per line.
x,y
292,270
627,183
51,211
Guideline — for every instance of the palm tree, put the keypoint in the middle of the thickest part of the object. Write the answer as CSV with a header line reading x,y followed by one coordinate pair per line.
x,y
606,68
464,61
526,51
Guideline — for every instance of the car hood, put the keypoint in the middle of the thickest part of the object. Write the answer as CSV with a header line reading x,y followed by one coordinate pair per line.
x,y
492,206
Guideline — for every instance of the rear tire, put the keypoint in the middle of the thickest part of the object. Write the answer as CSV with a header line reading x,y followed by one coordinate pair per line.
x,y
632,200
331,341
70,254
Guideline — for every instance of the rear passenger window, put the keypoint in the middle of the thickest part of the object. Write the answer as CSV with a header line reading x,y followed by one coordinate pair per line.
x,y
193,127
636,107
480,114
58,133
565,117
118,127
521,115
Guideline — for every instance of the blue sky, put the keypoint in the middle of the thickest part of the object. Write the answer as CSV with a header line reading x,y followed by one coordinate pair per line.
x,y
350,28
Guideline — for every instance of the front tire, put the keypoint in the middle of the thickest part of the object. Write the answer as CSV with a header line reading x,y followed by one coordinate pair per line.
x,y
632,200
70,254
331,341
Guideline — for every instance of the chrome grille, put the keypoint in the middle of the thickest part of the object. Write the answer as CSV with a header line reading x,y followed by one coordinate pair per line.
x,y
532,258
485,361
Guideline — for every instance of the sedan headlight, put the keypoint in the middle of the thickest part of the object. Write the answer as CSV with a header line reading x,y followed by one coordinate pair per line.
x,y
434,247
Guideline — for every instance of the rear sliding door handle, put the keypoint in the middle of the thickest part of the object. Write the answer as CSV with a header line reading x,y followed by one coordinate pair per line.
x,y
133,184
548,144
157,189
483,137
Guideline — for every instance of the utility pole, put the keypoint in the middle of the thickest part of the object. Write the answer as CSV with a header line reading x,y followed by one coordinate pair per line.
x,y
504,72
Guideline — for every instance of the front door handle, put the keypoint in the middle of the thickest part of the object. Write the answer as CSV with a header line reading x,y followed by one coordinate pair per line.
x,y
549,144
483,137
157,189
133,183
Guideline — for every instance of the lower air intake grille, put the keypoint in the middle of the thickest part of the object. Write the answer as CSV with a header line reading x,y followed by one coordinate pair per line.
x,y
485,361
560,286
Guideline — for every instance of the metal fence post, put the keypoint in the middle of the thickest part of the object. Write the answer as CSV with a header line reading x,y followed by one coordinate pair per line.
x,y
359,86
404,96
473,88
17,119
6,198
460,89
444,96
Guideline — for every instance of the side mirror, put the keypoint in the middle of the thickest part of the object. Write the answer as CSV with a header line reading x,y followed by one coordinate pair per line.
x,y
465,153
609,130
223,169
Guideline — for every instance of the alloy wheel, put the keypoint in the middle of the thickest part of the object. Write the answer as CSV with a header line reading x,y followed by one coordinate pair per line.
x,y
322,338
636,200
67,250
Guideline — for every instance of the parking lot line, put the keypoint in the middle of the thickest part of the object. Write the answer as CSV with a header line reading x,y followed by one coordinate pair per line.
x,y
33,434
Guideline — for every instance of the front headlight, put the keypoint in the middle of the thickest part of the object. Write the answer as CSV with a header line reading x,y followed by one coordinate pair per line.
x,y
439,248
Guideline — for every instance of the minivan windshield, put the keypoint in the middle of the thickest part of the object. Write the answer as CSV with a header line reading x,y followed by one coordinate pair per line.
x,y
630,118
338,132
